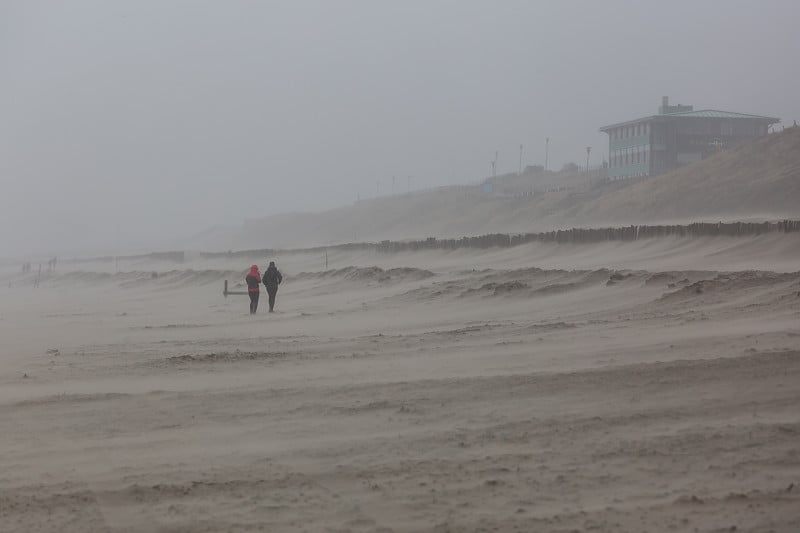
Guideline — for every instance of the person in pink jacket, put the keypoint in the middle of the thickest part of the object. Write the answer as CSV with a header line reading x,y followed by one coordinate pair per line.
x,y
253,280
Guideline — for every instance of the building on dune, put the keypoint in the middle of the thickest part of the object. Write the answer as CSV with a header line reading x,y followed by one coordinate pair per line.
x,y
676,136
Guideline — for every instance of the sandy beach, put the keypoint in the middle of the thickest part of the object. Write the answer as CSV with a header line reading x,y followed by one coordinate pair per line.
x,y
646,386
540,267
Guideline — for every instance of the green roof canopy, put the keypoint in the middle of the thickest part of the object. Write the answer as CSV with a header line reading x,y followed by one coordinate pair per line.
x,y
713,113
705,113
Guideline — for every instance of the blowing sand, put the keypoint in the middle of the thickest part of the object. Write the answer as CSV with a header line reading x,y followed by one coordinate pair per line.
x,y
642,387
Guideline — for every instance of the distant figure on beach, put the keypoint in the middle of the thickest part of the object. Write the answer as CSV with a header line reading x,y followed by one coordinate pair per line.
x,y
272,278
253,280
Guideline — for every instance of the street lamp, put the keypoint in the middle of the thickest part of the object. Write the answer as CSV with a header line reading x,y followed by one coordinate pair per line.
x,y
588,151
546,152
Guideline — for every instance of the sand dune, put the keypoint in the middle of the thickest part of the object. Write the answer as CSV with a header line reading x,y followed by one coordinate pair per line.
x,y
759,181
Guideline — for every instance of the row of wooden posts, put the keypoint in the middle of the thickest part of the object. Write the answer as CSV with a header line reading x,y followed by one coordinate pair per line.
x,y
567,236
503,240
587,235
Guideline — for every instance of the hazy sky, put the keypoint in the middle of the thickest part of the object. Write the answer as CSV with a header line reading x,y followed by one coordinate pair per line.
x,y
127,124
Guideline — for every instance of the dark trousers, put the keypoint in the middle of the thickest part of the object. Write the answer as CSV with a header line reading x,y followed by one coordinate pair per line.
x,y
272,291
253,302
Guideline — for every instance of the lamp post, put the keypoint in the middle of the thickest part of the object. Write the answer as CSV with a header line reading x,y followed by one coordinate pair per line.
x,y
546,152
520,160
588,151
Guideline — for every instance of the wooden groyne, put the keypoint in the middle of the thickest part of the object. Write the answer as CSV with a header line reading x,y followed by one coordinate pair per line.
x,y
173,257
597,235
505,240
567,236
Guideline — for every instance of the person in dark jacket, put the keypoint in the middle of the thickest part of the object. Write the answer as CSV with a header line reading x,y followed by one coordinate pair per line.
x,y
253,280
272,278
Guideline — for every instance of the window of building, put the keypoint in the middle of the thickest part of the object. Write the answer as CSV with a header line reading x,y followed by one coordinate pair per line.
x,y
727,128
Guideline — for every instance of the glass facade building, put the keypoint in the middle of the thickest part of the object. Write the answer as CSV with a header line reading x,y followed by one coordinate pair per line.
x,y
678,135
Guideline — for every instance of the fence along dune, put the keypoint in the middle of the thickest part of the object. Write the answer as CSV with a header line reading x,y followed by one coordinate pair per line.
x,y
565,236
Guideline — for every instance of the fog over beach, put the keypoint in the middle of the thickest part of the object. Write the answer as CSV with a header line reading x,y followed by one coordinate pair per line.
x,y
131,126
535,266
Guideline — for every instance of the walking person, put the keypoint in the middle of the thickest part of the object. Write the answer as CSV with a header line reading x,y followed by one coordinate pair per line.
x,y
272,278
253,280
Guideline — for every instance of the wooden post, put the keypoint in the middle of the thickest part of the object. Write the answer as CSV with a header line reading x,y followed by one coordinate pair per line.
x,y
226,292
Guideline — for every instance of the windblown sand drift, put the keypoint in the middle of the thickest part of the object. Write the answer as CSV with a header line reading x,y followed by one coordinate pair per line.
x,y
471,390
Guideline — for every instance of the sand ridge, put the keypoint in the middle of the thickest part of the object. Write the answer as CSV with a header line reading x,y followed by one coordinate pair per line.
x,y
495,390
